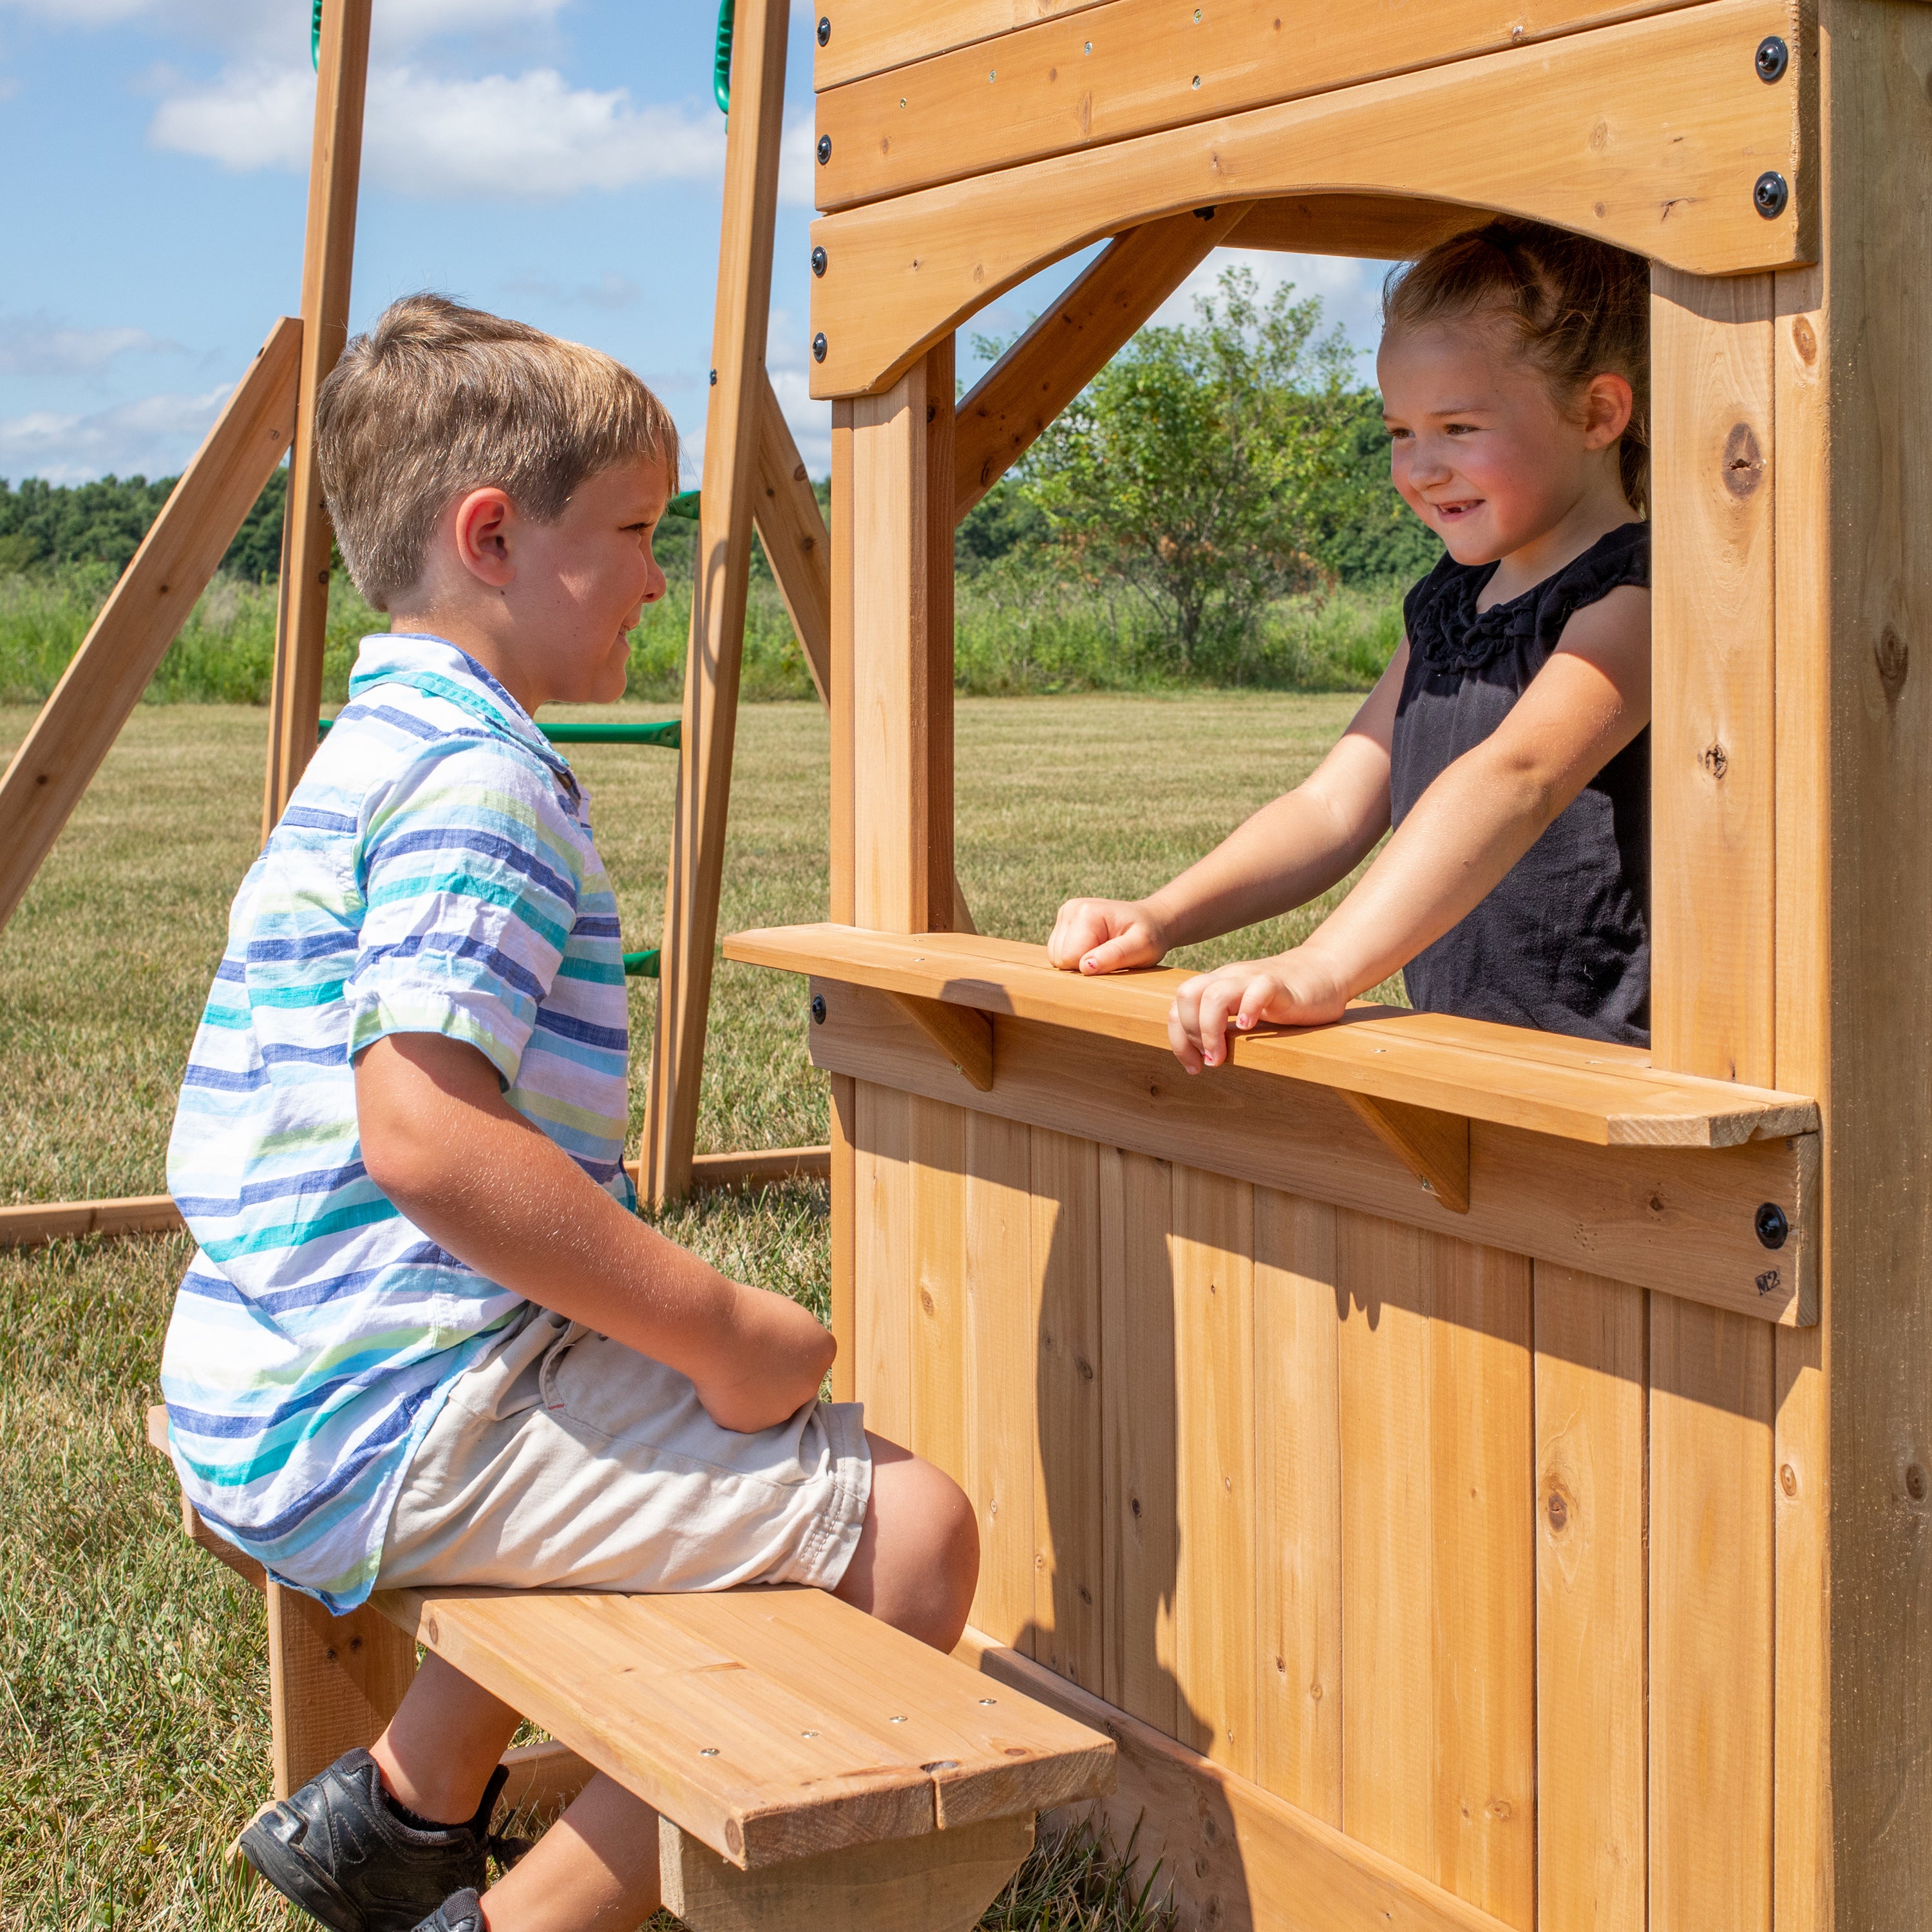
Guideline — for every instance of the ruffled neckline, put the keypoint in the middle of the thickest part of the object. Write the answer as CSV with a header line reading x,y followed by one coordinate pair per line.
x,y
1446,630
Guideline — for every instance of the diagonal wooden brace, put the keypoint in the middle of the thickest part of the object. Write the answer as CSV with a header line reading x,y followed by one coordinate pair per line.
x,y
1432,1145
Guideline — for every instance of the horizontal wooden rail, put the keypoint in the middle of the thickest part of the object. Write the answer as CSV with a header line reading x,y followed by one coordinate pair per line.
x,y
1578,1090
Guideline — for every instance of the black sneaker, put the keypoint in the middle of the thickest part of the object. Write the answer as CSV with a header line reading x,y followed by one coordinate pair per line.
x,y
338,1850
460,1912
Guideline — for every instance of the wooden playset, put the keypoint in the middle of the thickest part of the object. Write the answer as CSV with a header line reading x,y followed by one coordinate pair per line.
x,y
1476,1479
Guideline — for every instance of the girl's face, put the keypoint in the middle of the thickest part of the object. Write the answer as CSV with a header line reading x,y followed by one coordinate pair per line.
x,y
1480,452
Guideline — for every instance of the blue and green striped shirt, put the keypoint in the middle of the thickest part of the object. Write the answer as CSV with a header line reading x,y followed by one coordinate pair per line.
x,y
434,873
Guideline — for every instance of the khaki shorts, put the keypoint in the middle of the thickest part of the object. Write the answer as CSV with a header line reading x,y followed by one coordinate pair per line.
x,y
566,1460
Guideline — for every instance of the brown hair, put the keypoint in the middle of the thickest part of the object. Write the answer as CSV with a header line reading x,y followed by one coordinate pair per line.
x,y
437,399
1575,308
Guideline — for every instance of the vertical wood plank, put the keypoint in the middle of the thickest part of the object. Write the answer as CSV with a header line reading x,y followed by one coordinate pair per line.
x,y
1801,1732
1714,987
328,254
1002,1317
1297,1504
1068,1508
882,1260
901,652
1439,1604
844,1197
838,699
1710,1617
1140,1546
1591,1377
1214,1341
334,1683
937,1315
720,578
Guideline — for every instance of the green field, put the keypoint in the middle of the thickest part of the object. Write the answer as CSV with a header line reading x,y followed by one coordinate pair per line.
x,y
133,1726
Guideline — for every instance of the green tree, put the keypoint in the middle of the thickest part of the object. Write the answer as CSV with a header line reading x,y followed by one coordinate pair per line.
x,y
1201,467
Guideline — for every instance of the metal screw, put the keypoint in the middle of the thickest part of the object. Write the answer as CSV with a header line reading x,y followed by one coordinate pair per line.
x,y
818,346
1203,214
807,1734
818,1009
1773,58
1086,49
824,28
1197,80
897,1720
709,1750
989,1700
714,378
824,149
1772,1228
992,73
1770,195
818,261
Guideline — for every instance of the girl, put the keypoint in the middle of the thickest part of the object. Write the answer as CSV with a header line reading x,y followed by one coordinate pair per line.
x,y
1507,741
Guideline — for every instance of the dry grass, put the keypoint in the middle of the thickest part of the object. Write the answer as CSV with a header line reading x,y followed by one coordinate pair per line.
x,y
133,1672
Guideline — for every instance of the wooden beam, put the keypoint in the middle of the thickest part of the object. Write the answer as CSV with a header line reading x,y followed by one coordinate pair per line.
x,y
763,1167
1063,350
33,1224
1651,135
1679,1219
103,682
328,251
866,35
1378,227
793,530
1433,1145
1060,86
964,1036
730,491
333,1682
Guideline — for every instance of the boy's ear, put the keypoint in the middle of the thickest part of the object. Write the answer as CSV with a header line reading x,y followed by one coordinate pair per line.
x,y
483,529
1607,406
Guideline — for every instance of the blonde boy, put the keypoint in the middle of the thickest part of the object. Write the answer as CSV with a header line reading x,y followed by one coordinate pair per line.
x,y
426,1339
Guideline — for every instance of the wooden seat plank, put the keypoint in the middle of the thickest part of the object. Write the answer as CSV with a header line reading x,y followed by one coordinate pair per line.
x,y
1581,1090
754,1720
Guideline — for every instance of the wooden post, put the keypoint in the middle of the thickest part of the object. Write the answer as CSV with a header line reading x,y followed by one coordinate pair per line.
x,y
718,595
78,725
335,164
333,1682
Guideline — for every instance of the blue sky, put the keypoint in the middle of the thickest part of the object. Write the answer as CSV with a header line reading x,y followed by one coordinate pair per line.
x,y
556,159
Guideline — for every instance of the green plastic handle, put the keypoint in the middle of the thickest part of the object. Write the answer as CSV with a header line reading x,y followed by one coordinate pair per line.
x,y
721,59
666,731
641,965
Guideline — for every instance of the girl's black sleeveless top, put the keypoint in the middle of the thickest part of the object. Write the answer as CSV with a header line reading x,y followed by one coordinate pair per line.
x,y
1563,943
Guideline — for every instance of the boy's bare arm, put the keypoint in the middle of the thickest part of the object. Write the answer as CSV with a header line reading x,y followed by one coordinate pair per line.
x,y
1290,851
440,1141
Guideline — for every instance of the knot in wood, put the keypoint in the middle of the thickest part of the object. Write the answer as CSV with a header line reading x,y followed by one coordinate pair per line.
x,y
1787,1480
1805,339
1893,656
1715,759
1744,461
1915,1482
1558,1507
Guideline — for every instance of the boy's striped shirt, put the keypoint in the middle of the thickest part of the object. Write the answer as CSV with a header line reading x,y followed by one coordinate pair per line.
x,y
434,873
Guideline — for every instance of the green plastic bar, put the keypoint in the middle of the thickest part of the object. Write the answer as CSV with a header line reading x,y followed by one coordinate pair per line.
x,y
667,731
641,965
686,506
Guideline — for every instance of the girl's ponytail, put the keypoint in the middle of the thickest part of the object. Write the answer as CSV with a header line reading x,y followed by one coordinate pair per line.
x,y
1575,308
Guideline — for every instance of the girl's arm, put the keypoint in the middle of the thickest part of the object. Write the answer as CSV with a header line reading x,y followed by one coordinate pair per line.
x,y
1466,831
1289,852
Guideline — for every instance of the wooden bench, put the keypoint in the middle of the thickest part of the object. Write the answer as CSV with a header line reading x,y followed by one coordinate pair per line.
x,y
806,1762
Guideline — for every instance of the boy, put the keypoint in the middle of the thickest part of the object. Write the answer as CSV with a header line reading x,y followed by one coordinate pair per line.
x,y
426,1340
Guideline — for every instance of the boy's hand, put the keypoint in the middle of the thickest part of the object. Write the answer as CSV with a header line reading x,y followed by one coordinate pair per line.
x,y
1296,988
770,1362
1105,936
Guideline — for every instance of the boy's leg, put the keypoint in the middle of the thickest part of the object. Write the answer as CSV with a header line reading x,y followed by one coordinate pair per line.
x,y
915,1567
442,1744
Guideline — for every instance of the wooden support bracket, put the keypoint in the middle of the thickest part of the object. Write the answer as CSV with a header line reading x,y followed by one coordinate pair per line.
x,y
1432,1145
941,1881
964,1037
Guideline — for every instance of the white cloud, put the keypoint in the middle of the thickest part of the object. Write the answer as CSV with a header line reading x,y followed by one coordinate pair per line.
x,y
798,161
1351,290
397,24
154,437
531,136
37,345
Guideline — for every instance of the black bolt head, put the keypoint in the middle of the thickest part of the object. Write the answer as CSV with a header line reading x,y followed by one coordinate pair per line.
x,y
1773,1229
1770,195
818,261
818,1009
824,149
824,28
1773,58
818,346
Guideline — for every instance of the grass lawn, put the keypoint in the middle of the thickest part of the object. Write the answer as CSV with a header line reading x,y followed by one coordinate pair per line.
x,y
134,1728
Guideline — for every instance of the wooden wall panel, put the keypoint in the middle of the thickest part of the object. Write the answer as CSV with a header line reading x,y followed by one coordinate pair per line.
x,y
936,1317
1438,1603
1068,1509
1141,1535
1002,1319
1297,1504
1711,1582
1214,1295
882,1260
1591,1377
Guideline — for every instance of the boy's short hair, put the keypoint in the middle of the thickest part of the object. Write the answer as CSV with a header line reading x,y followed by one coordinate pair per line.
x,y
437,399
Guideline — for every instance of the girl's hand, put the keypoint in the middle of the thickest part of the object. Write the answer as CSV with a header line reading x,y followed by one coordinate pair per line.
x,y
1295,989
770,1364
1105,936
